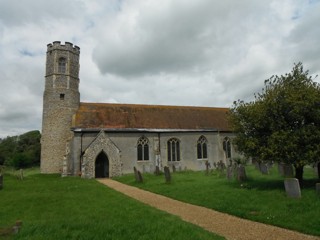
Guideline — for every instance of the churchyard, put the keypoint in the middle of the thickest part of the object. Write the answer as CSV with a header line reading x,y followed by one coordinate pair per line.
x,y
262,197
52,207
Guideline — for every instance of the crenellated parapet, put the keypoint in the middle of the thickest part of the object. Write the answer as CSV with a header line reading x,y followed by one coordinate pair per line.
x,y
56,45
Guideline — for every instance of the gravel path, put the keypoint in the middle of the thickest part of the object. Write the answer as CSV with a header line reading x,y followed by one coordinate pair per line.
x,y
220,223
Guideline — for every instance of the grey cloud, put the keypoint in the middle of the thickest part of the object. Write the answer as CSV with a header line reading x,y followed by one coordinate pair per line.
x,y
179,37
16,12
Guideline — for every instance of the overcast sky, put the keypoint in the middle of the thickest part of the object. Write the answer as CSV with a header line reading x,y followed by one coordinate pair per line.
x,y
168,52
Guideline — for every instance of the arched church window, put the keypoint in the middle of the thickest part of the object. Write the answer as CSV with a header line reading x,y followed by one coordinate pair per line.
x,y
143,149
62,63
173,149
227,147
202,148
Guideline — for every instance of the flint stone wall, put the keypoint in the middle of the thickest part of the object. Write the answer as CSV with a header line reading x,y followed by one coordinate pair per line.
x,y
101,143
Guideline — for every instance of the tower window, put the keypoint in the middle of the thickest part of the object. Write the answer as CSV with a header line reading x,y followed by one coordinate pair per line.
x,y
62,63
61,96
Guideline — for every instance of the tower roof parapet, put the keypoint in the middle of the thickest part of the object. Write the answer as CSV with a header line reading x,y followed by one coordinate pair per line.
x,y
56,45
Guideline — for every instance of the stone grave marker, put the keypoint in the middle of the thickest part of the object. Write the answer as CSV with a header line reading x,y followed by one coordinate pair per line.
x,y
241,173
136,174
140,178
167,174
173,168
264,168
257,165
292,187
157,171
318,188
229,172
207,167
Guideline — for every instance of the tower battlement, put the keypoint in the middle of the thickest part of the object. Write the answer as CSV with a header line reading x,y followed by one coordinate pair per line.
x,y
56,45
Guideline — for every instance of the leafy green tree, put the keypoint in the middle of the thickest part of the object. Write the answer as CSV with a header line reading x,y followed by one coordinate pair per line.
x,y
282,124
21,151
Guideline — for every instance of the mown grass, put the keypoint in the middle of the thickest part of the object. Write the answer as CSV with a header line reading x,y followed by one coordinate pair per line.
x,y
261,198
51,207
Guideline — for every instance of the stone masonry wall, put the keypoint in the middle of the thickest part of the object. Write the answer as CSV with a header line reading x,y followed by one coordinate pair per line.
x,y
60,101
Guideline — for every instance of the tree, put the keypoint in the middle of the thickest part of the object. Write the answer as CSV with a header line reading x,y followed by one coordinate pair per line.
x,y
282,124
21,151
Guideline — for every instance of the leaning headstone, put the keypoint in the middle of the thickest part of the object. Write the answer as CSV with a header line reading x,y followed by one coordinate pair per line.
x,y
292,187
318,188
264,168
241,173
157,171
257,165
136,174
140,179
207,167
167,174
229,172
173,168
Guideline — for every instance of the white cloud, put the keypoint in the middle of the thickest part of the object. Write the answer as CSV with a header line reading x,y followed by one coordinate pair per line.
x,y
204,52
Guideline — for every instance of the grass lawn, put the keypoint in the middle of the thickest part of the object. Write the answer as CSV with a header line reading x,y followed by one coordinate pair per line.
x,y
51,207
261,198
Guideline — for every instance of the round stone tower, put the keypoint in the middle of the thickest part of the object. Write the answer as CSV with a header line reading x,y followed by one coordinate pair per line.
x,y
61,100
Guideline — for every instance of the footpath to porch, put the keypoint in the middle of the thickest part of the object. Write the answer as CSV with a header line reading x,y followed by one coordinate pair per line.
x,y
220,223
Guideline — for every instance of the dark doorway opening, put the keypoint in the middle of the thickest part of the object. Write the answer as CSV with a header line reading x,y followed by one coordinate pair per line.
x,y
102,166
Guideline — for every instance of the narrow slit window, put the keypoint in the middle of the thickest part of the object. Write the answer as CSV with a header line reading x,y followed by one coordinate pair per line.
x,y
61,96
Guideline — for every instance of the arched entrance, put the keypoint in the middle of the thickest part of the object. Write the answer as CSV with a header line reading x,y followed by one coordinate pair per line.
x,y
102,166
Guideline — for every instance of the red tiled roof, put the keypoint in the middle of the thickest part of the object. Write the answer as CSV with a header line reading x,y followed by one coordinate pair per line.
x,y
132,116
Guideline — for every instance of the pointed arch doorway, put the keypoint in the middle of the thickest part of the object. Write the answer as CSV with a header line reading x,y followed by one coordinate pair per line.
x,y
102,166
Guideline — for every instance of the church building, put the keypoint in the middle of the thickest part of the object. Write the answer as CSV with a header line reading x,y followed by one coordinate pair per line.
x,y
103,140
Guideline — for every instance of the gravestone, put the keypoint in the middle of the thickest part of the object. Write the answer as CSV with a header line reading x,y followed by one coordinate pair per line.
x,y
229,172
140,179
318,188
157,171
241,173
207,167
167,174
264,168
173,168
292,187
136,174
257,165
